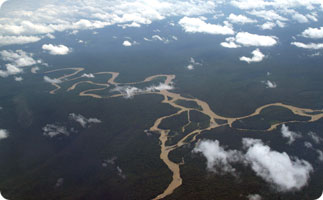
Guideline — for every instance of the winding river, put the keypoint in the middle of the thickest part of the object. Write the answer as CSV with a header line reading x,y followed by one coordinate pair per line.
x,y
171,99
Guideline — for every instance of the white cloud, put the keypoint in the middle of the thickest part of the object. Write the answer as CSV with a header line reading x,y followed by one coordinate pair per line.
x,y
2,2
59,182
197,25
230,43
314,46
314,33
280,24
56,50
308,145
270,84
254,197
257,56
52,130
129,91
126,43
320,155
160,87
120,173
218,159
48,17
248,39
9,40
278,4
192,64
312,17
18,58
3,134
10,70
268,26
240,19
157,37
34,70
52,80
133,24
190,67
18,78
50,36
88,75
290,135
317,139
270,15
1,197
83,121
299,18
284,172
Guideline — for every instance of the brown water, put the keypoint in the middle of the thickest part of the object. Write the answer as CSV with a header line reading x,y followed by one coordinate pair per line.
x,y
171,99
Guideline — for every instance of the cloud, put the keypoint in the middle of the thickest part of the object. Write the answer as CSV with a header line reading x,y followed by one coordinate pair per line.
x,y
280,169
278,4
270,84
126,43
18,78
257,56
190,67
270,15
3,134
290,135
157,37
56,50
10,70
312,17
285,173
248,39
88,75
59,182
52,80
280,24
314,46
37,20
2,2
218,159
230,43
268,26
120,173
197,25
83,121
240,19
1,197
320,155
249,4
9,40
17,59
52,130
34,70
192,64
308,145
300,18
160,87
317,139
129,91
254,197
314,33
